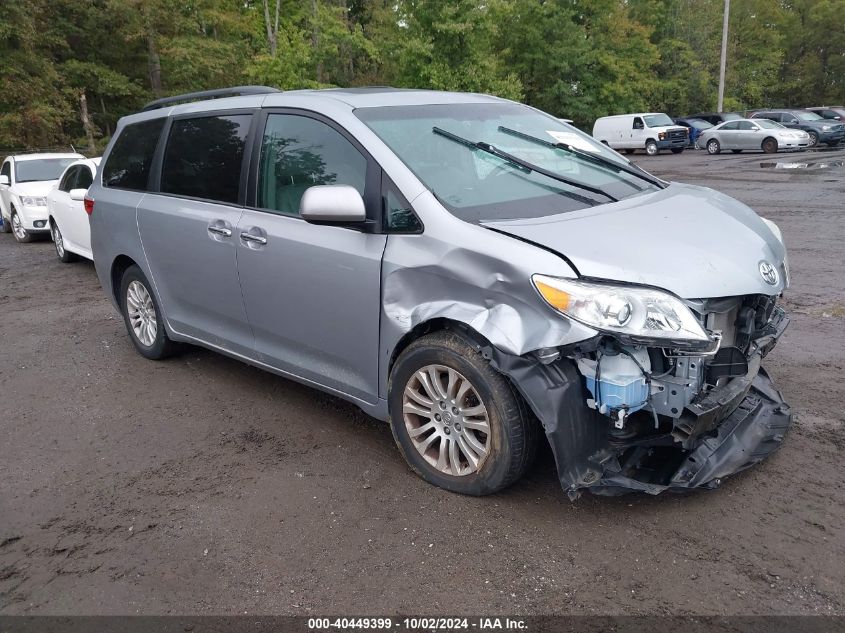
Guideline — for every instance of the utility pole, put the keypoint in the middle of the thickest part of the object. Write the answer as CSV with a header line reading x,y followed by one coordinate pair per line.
x,y
724,58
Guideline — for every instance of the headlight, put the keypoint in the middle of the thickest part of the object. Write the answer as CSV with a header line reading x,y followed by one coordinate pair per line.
x,y
34,202
628,311
825,128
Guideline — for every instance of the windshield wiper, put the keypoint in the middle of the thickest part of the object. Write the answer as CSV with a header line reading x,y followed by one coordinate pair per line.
x,y
598,160
523,164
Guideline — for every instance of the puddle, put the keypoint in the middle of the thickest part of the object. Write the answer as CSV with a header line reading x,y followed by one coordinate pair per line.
x,y
805,164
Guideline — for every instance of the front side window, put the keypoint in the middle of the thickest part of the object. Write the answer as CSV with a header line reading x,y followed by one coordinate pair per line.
x,y
658,120
475,185
6,170
746,125
766,124
204,156
298,152
808,116
638,123
42,169
129,162
399,217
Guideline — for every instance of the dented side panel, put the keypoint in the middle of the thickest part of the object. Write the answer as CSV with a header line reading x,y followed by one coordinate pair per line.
x,y
456,270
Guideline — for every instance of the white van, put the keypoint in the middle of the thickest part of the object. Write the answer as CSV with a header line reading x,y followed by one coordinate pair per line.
x,y
651,131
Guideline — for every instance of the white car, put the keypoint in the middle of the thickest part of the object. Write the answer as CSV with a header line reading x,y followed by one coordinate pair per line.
x,y
651,131
67,217
25,180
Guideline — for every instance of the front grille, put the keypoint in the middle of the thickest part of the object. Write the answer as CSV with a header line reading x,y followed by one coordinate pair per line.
x,y
676,134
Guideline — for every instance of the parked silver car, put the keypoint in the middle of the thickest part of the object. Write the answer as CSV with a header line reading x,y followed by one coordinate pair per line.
x,y
753,135
472,270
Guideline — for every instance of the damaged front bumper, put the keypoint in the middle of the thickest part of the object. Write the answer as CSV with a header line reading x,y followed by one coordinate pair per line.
x,y
731,428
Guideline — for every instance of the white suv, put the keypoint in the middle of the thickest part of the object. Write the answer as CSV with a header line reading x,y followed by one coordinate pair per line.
x,y
25,180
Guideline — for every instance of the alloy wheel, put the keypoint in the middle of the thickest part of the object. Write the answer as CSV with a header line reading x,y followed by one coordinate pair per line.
x,y
17,227
446,420
57,240
142,314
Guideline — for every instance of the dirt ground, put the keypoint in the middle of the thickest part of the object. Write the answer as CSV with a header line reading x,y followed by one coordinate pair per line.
x,y
202,485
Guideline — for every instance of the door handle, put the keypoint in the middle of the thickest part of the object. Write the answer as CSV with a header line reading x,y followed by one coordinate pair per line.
x,y
255,239
220,230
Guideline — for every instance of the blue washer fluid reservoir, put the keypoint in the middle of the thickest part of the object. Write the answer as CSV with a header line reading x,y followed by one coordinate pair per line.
x,y
622,384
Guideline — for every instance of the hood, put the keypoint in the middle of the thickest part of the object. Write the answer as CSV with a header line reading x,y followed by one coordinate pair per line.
x,y
39,188
818,125
692,241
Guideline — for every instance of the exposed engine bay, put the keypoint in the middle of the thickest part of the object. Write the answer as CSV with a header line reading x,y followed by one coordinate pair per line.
x,y
655,418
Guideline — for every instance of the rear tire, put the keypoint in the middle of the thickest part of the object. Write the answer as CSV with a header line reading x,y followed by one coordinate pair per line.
x,y
7,224
446,402
677,150
713,146
770,145
628,151
58,241
651,147
142,316
22,236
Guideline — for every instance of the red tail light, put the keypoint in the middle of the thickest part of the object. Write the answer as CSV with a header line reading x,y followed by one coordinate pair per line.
x,y
89,205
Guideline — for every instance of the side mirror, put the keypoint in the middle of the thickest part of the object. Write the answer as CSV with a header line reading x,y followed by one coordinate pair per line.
x,y
78,194
4,180
332,204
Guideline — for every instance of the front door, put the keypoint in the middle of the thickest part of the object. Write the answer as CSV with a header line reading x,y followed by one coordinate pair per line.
x,y
312,293
638,133
188,230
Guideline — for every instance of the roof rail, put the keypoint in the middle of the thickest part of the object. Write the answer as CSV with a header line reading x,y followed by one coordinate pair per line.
x,y
237,91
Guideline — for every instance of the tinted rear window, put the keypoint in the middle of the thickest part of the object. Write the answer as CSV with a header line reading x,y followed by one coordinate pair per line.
x,y
128,164
203,157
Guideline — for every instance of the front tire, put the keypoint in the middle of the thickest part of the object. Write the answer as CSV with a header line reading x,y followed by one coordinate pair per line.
x,y
814,138
142,316
770,146
651,147
58,241
22,236
713,146
457,421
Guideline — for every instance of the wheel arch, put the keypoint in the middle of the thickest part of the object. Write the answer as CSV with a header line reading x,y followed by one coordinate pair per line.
x,y
119,266
438,324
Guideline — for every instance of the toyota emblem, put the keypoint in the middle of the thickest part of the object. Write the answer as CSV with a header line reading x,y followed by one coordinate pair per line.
x,y
769,273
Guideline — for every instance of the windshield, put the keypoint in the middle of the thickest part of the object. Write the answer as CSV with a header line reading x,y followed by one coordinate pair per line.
x,y
808,116
477,185
41,169
658,120
767,125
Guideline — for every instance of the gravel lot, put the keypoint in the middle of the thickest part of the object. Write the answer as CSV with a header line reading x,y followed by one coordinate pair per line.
x,y
202,485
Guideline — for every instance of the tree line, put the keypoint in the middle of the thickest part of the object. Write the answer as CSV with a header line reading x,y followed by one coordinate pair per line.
x,y
71,68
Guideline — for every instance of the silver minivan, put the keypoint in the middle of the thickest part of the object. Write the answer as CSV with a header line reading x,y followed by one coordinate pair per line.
x,y
470,269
